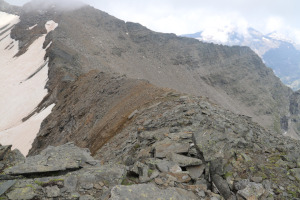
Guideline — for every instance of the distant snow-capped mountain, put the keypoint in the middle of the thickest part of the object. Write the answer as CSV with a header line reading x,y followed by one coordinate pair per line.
x,y
277,51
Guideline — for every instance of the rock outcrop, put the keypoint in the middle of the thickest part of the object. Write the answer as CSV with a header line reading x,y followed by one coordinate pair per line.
x,y
182,147
190,143
65,172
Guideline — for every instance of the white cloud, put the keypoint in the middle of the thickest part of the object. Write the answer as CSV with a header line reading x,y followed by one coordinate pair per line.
x,y
274,23
188,16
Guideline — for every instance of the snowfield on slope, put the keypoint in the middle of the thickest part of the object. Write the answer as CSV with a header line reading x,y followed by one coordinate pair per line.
x,y
20,91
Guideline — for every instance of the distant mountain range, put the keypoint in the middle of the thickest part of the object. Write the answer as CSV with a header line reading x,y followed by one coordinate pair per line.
x,y
279,53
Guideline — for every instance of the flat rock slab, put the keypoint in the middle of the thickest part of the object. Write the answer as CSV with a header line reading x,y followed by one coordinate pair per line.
x,y
296,173
181,177
162,149
211,143
196,171
22,193
4,150
52,191
184,161
54,159
168,166
150,192
93,179
252,191
4,186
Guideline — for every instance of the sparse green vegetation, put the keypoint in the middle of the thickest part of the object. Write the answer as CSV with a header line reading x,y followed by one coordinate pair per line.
x,y
52,181
228,174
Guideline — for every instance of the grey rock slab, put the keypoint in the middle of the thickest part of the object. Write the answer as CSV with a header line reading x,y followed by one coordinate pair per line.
x,y
154,175
167,166
257,179
222,186
52,191
22,193
252,191
184,161
87,186
4,186
196,171
162,149
150,192
217,167
142,170
242,184
139,168
133,114
201,194
86,197
70,183
53,159
182,177
4,150
180,136
296,173
111,175
153,135
13,157
212,143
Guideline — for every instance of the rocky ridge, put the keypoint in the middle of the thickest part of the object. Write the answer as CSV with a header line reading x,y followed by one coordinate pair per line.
x,y
105,43
181,147
148,142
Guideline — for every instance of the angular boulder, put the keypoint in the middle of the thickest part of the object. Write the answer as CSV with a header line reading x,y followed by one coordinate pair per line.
x,y
54,159
150,192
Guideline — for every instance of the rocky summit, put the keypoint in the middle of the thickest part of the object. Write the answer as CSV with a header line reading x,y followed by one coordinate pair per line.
x,y
134,114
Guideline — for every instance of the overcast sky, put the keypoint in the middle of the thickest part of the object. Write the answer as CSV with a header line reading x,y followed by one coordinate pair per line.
x,y
189,16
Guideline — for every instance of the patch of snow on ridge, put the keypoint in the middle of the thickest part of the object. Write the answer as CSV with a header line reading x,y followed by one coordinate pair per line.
x,y
32,27
8,19
23,135
20,91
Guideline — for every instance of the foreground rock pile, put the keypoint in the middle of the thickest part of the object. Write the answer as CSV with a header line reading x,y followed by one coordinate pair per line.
x,y
65,172
181,147
186,142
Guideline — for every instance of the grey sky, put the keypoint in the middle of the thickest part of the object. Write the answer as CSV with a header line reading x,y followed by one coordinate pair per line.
x,y
188,16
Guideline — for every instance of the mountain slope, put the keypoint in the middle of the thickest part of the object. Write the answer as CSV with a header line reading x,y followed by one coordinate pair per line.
x,y
277,52
233,77
222,73
152,142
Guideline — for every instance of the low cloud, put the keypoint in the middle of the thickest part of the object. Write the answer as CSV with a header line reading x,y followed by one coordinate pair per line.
x,y
58,4
188,16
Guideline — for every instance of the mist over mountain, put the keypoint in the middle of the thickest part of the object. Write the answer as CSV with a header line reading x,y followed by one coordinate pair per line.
x,y
57,4
108,109
279,53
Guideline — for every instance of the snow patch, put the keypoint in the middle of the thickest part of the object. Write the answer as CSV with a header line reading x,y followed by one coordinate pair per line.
x,y
50,26
22,87
32,27
22,136
8,19
295,84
